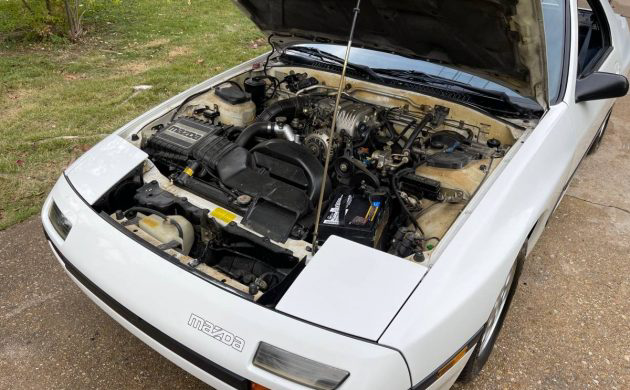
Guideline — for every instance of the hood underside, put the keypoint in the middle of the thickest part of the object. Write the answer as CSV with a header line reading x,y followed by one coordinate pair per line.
x,y
499,40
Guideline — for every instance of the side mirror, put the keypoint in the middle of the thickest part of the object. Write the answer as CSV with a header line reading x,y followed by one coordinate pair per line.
x,y
600,85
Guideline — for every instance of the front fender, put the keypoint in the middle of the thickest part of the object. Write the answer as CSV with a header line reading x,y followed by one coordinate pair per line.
x,y
455,298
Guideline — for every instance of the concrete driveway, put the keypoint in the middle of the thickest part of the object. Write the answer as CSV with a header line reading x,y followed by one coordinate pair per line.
x,y
569,325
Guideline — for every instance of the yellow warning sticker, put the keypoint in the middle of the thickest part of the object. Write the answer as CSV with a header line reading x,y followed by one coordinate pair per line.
x,y
223,215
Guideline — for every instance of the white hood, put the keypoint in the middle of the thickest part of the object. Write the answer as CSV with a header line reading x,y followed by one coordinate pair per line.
x,y
352,288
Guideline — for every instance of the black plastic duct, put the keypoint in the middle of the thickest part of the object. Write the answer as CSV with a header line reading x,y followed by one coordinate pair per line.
x,y
289,108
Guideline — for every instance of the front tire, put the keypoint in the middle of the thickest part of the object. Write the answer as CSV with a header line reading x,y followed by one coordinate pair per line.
x,y
493,326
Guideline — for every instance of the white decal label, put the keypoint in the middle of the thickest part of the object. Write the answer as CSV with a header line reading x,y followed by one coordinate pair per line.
x,y
334,212
216,332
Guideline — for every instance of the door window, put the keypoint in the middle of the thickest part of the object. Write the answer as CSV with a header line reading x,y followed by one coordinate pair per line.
x,y
594,41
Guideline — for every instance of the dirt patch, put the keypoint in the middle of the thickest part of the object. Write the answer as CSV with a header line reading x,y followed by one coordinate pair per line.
x,y
155,43
136,67
18,95
179,51
16,101
73,76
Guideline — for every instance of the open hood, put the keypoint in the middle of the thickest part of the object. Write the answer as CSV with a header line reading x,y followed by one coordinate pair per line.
x,y
499,40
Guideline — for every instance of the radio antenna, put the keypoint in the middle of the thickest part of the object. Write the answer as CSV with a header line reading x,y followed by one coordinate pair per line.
x,y
342,83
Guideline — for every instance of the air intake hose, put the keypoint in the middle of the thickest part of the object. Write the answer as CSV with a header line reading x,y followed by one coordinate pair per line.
x,y
265,129
260,128
288,108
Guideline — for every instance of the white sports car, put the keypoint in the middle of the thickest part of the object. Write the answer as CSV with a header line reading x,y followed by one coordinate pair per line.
x,y
306,220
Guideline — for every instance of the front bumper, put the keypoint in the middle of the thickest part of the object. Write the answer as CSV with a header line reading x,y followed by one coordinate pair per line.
x,y
155,300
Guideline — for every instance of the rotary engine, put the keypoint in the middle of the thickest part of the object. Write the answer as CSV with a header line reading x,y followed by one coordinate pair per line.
x,y
271,170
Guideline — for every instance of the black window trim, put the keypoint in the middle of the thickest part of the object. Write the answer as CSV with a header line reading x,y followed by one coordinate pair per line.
x,y
596,63
566,57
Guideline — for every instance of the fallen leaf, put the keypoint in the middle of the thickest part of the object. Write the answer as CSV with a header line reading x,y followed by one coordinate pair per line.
x,y
257,43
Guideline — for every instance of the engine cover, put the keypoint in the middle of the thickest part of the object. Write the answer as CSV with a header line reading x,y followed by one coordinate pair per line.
x,y
283,178
180,137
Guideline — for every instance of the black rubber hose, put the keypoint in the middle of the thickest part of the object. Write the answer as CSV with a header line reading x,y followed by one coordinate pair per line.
x,y
137,209
364,139
401,134
390,129
289,108
262,128
423,123
180,231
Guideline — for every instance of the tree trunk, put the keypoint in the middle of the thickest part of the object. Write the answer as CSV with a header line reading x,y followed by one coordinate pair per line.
x,y
28,7
74,19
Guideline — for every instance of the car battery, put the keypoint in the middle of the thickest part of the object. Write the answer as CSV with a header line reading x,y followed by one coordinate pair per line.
x,y
358,217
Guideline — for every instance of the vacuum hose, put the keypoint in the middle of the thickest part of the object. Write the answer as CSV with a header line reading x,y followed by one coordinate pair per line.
x,y
425,121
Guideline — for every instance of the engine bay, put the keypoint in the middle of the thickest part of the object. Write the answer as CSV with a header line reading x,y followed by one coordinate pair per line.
x,y
252,149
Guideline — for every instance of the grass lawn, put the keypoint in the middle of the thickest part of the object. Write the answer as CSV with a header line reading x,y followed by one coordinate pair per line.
x,y
58,99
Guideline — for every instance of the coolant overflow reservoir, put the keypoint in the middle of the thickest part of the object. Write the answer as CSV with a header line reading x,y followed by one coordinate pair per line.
x,y
235,106
174,229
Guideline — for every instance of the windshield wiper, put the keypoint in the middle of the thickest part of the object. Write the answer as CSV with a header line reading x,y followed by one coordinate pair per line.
x,y
322,55
413,75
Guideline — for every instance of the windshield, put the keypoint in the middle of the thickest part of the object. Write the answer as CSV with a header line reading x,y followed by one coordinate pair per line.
x,y
378,59
554,20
